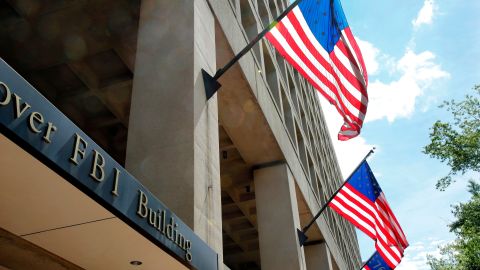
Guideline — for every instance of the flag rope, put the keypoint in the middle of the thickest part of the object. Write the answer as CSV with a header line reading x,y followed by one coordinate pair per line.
x,y
301,234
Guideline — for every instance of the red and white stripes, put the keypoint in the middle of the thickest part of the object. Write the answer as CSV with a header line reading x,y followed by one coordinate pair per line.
x,y
374,219
340,76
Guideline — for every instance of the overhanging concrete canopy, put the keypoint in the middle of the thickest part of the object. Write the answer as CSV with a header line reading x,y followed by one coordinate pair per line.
x,y
41,207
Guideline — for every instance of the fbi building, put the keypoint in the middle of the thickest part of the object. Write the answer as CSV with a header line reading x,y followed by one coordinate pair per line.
x,y
112,157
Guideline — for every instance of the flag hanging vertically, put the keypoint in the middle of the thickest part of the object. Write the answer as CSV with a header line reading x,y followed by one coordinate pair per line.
x,y
376,262
362,202
314,37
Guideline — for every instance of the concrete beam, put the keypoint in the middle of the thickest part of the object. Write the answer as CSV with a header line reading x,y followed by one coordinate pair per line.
x,y
278,220
318,257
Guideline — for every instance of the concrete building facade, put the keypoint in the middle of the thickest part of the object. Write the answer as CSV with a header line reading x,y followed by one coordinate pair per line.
x,y
243,170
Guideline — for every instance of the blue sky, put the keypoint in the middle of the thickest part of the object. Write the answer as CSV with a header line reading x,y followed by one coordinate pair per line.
x,y
418,53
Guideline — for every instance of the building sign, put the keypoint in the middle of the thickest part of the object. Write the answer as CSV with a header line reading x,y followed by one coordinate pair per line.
x,y
31,121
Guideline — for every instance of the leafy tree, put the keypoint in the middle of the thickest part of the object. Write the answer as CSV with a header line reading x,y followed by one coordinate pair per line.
x,y
464,252
457,142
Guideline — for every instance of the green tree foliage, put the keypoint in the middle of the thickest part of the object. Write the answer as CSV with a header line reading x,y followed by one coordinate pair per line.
x,y
464,252
457,142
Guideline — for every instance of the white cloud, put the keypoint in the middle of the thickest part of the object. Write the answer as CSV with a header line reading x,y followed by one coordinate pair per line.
x,y
425,15
397,98
374,59
387,100
416,254
415,73
370,55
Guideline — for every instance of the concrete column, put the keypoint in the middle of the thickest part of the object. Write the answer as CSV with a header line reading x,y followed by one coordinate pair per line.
x,y
278,219
173,131
318,257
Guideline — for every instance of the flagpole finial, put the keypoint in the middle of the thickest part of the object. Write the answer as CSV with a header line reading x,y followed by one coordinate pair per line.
x,y
369,153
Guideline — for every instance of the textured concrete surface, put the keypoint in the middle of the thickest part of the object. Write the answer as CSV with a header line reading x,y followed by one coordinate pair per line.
x,y
173,132
278,219
318,257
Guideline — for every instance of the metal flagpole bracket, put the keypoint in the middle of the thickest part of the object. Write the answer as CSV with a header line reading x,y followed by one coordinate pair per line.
x,y
210,83
302,238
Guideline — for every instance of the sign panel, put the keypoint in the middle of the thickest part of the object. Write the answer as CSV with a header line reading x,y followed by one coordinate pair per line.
x,y
31,121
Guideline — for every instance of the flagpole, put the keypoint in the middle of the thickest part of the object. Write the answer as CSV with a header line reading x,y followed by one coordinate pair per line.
x,y
211,84
366,262
301,234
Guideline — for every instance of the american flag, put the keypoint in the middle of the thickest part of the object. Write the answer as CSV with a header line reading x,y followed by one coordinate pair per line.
x,y
314,37
376,262
362,202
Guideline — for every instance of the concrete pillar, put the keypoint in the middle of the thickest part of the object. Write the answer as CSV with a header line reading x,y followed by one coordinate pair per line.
x,y
318,257
173,131
278,219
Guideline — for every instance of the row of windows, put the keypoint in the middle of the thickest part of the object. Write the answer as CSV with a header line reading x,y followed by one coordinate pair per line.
x,y
299,108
